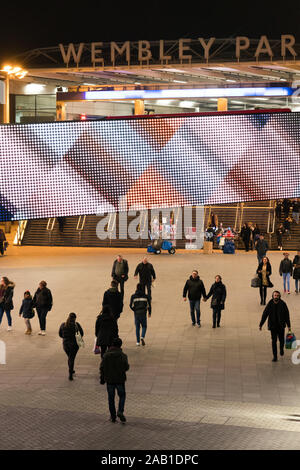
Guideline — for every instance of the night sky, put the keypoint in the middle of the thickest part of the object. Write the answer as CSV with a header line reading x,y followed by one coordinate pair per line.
x,y
25,27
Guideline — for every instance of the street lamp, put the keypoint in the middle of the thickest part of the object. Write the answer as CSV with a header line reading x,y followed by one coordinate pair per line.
x,y
10,72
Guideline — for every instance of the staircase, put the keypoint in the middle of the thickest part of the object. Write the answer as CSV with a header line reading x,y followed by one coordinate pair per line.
x,y
288,245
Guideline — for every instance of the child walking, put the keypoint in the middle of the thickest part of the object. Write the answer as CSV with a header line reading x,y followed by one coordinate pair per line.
x,y
27,311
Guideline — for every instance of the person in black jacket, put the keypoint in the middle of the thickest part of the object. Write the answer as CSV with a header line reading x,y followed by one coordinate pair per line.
x,y
26,310
67,332
245,235
218,295
2,241
113,368
6,302
42,301
286,271
296,273
278,317
195,289
119,272
114,299
140,303
106,329
147,275
264,272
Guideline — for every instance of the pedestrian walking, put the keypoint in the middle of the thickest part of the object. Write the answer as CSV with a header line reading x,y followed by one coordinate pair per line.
x,y
120,271
43,302
114,299
295,210
140,303
286,207
245,235
2,242
146,274
279,234
6,300
277,314
113,368
194,287
217,293
261,247
264,272
106,329
67,332
296,272
286,271
287,227
26,311
278,208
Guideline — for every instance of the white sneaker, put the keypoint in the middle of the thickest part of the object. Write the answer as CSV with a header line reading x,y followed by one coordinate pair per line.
x,y
138,344
39,333
9,328
43,333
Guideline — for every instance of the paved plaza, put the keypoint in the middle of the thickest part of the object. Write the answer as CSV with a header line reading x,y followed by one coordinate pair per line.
x,y
188,388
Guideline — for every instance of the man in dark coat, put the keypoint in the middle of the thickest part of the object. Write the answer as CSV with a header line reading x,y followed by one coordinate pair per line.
x,y
147,275
114,299
195,289
2,241
245,235
120,271
261,247
42,301
113,368
278,317
140,303
106,329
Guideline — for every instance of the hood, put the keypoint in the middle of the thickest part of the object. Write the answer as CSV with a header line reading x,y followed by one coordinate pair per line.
x,y
11,284
196,279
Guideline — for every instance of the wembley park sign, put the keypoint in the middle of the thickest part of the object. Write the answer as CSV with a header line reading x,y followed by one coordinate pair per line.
x,y
183,50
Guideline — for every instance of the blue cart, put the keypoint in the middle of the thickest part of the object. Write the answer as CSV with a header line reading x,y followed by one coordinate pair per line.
x,y
158,245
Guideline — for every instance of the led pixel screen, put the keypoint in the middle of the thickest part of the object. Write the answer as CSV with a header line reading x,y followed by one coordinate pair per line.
x,y
91,167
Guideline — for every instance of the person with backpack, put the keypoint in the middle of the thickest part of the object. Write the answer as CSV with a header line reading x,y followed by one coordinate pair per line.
x,y
106,329
286,271
67,332
114,299
140,303
26,311
113,368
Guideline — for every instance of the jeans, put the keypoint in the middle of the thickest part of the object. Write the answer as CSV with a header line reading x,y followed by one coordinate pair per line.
x,y
296,284
195,305
286,281
216,316
42,313
8,315
111,388
260,257
140,321
71,350
277,333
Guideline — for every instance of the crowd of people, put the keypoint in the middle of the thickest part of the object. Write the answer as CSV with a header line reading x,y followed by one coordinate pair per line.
x,y
108,344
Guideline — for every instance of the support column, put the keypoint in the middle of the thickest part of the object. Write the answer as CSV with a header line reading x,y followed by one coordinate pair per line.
x,y
222,104
139,107
60,111
6,105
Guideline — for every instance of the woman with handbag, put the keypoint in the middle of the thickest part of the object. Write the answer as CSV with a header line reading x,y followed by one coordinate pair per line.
x,y
27,311
296,272
218,295
264,272
68,332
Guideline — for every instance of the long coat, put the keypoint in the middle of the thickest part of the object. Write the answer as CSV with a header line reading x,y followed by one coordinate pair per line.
x,y
217,293
269,272
296,264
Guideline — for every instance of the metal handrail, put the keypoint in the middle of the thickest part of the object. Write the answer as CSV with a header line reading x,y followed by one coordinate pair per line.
x,y
81,223
236,216
50,224
20,232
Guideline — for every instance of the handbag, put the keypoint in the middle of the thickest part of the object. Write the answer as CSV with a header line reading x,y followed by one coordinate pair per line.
x,y
96,349
290,341
256,282
79,338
